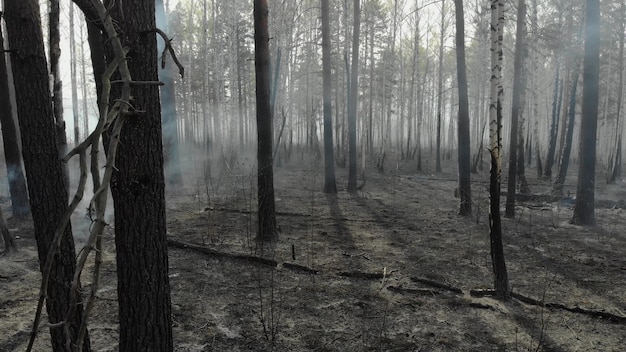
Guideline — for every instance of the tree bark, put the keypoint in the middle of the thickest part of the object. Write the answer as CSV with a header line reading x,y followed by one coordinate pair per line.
x,y
330,185
440,88
11,143
501,281
463,121
137,188
516,106
354,94
46,186
584,209
266,206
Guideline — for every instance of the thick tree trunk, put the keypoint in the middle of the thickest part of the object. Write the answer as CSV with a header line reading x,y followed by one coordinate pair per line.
x,y
138,193
11,143
266,206
501,281
516,106
463,121
330,185
46,186
354,93
584,209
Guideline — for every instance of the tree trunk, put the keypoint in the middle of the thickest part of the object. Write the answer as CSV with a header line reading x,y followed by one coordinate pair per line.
x,y
137,188
9,242
615,167
11,143
440,87
516,106
555,121
266,206
57,86
463,121
354,94
501,281
557,188
46,185
584,209
330,185
73,82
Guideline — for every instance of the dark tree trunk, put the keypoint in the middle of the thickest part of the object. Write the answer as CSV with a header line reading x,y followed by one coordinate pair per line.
x,y
173,173
48,194
9,242
330,185
516,106
138,193
98,61
501,281
10,140
615,159
354,93
266,206
558,89
584,209
463,122
557,188
440,88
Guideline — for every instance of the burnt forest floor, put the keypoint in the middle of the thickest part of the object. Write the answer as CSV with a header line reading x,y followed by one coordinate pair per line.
x,y
387,269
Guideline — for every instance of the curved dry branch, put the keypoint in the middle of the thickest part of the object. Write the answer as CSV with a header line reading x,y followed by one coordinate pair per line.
x,y
113,117
168,48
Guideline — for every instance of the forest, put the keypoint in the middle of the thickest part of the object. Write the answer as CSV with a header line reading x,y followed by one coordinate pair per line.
x,y
312,175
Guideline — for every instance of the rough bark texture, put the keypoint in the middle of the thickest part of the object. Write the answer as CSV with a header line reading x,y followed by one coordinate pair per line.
x,y
11,143
330,185
501,281
516,106
266,205
464,153
354,94
48,194
584,209
138,193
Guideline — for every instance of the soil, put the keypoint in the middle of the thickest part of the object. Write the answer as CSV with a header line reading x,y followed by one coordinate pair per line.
x,y
391,268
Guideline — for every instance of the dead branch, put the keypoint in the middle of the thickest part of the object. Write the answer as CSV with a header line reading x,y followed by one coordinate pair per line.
x,y
240,257
613,318
168,48
107,118
414,291
437,284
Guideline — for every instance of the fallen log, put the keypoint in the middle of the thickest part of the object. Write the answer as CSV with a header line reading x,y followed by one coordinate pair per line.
x,y
240,257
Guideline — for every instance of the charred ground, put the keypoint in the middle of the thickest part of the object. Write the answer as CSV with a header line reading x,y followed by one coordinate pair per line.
x,y
375,260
